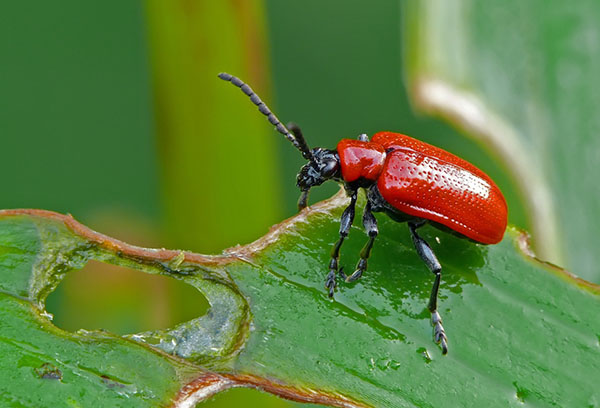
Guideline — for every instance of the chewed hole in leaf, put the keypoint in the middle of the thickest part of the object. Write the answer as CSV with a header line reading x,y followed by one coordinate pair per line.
x,y
122,300
248,397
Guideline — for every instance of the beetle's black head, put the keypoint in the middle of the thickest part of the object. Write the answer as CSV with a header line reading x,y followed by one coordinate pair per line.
x,y
324,166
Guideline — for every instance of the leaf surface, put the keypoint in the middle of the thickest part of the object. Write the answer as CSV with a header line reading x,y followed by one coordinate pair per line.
x,y
519,330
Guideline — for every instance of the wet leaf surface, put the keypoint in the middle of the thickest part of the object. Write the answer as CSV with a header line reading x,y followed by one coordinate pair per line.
x,y
519,331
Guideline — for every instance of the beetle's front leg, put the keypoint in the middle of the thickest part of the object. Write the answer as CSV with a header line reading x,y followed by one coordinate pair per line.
x,y
427,255
345,224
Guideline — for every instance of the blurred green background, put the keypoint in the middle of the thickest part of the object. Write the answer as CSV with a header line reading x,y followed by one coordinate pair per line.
x,y
112,112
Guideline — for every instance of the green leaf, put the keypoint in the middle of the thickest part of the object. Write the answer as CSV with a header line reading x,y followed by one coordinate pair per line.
x,y
521,76
42,365
520,331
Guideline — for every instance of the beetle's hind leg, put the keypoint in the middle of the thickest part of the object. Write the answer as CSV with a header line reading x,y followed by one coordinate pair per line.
x,y
427,255
345,224
370,224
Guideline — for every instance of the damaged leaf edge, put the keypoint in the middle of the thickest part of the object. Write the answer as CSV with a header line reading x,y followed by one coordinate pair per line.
x,y
208,383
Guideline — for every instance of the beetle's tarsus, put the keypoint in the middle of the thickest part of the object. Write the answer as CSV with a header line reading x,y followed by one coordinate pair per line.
x,y
330,284
358,272
439,335
330,281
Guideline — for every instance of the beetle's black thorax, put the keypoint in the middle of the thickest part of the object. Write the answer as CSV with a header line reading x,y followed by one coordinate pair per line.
x,y
379,204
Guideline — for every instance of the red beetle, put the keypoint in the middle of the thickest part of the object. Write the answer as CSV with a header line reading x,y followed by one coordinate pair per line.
x,y
410,181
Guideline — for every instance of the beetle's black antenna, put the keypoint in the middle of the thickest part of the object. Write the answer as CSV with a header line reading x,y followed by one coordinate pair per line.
x,y
300,138
296,138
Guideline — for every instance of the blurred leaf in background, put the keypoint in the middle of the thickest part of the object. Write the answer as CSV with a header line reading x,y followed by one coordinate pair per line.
x,y
523,77
219,178
77,126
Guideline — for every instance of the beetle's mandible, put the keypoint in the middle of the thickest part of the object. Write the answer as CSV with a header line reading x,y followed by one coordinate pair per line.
x,y
409,180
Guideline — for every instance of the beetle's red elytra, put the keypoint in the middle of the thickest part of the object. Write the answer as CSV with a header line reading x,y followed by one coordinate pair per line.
x,y
410,181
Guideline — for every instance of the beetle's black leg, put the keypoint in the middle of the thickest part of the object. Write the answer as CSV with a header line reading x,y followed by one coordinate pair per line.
x,y
345,224
370,224
427,255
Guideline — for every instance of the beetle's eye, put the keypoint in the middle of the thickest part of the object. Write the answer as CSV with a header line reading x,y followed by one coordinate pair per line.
x,y
329,169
